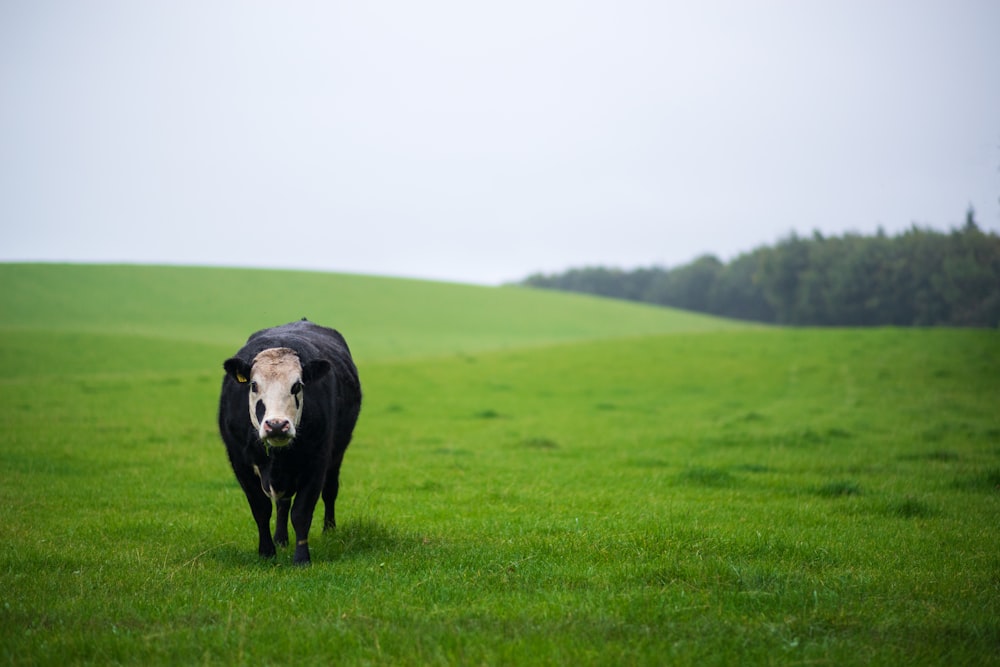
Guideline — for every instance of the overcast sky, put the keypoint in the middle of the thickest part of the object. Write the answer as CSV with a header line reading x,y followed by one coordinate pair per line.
x,y
483,141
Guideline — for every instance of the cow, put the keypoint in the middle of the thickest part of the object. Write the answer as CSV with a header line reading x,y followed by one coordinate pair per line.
x,y
289,402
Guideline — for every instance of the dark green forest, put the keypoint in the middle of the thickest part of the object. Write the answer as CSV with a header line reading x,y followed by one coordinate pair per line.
x,y
920,277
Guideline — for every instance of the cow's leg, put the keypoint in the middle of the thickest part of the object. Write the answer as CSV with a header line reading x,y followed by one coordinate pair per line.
x,y
281,522
302,514
330,488
260,506
329,500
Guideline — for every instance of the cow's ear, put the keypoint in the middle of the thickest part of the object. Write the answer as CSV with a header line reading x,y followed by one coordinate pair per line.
x,y
237,369
315,369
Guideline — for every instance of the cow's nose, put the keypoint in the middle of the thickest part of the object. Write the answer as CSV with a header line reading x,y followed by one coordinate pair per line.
x,y
277,426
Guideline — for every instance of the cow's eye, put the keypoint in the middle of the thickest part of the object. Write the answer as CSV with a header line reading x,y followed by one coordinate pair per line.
x,y
296,388
253,387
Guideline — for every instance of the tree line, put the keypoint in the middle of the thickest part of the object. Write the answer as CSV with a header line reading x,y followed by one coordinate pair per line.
x,y
919,277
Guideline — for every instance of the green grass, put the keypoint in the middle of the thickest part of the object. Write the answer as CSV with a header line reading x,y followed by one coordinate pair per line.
x,y
554,479
383,318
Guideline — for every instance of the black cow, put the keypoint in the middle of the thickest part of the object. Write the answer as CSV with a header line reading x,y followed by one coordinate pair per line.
x,y
290,399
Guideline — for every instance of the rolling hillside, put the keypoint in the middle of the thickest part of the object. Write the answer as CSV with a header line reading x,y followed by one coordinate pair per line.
x,y
383,318
536,478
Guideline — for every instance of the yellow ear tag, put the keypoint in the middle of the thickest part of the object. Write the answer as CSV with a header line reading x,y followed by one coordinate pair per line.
x,y
240,378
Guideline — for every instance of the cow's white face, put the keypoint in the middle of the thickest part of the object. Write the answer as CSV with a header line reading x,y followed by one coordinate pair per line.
x,y
276,395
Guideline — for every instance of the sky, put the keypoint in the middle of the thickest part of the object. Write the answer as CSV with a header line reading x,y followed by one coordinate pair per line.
x,y
481,142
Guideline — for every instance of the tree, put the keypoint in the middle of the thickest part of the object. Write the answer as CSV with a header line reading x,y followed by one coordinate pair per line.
x,y
920,277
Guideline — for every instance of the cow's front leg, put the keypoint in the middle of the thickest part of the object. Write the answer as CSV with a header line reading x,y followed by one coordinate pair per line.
x,y
260,506
302,514
281,522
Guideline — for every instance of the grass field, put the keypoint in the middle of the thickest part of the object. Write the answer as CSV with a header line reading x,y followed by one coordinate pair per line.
x,y
536,478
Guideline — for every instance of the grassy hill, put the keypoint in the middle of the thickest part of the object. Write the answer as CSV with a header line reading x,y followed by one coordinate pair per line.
x,y
383,318
536,478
